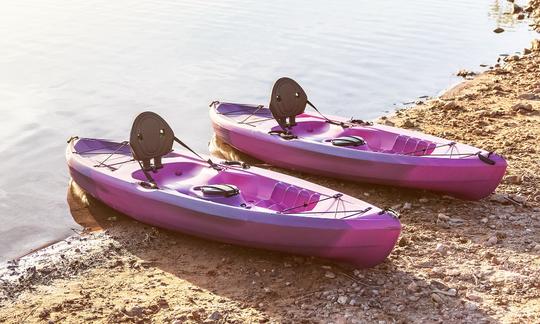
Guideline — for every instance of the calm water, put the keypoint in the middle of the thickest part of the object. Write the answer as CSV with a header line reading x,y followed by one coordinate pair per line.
x,y
74,67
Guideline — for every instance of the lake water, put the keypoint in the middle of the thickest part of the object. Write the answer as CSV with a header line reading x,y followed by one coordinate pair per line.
x,y
74,67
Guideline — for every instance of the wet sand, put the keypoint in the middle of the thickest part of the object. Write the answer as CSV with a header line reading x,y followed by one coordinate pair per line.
x,y
456,261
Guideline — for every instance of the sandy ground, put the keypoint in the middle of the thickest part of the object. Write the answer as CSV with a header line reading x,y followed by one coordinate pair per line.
x,y
456,261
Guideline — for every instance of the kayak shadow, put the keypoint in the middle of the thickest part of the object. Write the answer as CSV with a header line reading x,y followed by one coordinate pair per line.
x,y
271,286
440,214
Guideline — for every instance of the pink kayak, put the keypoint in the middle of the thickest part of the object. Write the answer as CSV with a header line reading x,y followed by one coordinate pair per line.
x,y
227,201
353,149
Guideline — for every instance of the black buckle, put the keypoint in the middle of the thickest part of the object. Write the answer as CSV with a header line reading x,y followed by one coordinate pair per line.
x,y
391,211
237,163
486,159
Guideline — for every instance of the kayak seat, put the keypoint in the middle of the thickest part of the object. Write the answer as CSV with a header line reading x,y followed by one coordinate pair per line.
x,y
286,196
399,144
410,145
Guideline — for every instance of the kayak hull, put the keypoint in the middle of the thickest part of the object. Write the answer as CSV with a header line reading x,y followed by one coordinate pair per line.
x,y
466,178
364,241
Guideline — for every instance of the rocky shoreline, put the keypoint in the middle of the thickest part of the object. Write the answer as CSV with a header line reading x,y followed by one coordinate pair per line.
x,y
456,261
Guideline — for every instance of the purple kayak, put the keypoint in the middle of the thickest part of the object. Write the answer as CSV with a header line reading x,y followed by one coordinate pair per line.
x,y
353,149
227,201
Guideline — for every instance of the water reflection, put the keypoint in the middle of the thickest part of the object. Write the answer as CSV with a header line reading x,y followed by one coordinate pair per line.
x,y
89,213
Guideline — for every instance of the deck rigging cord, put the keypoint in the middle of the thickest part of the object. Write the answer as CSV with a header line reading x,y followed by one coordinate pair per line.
x,y
338,199
450,144
122,145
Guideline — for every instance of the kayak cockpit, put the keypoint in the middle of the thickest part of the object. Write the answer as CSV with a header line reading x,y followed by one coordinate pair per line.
x,y
232,187
316,129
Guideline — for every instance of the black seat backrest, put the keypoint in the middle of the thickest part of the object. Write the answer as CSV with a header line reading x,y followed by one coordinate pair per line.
x,y
288,101
151,138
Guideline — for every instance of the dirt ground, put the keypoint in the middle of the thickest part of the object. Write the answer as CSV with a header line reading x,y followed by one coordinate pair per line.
x,y
456,261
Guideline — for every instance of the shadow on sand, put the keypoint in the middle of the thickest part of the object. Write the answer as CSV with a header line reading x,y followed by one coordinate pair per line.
x,y
288,287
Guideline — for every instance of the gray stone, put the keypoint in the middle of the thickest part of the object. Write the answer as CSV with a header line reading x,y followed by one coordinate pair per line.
x,y
437,298
342,300
528,96
491,241
215,316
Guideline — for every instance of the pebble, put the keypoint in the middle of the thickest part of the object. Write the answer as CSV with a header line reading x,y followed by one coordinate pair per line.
x,y
465,73
423,200
491,241
452,105
456,221
470,306
413,298
413,287
519,199
513,179
475,298
442,217
135,311
500,198
528,96
330,275
535,45
408,124
498,30
342,300
435,284
521,107
437,298
406,206
440,248
215,316
403,241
